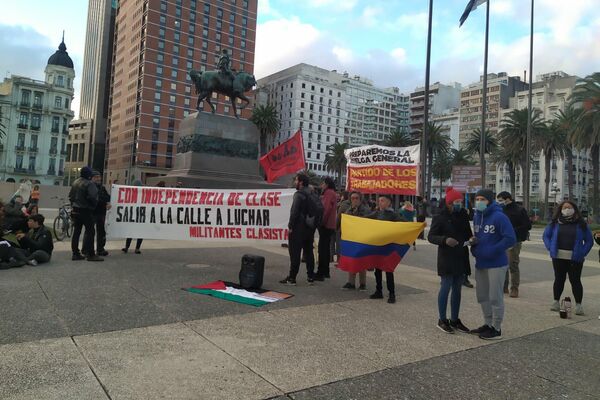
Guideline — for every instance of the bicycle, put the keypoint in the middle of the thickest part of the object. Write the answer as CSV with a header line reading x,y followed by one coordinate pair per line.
x,y
63,227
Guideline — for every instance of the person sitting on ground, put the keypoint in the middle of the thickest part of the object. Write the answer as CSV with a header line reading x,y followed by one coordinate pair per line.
x,y
37,244
358,209
9,258
15,219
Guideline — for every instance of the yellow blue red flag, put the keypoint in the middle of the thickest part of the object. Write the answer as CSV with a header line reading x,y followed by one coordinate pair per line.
x,y
370,243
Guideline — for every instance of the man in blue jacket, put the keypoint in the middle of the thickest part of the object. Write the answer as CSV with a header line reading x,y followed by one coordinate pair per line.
x,y
494,235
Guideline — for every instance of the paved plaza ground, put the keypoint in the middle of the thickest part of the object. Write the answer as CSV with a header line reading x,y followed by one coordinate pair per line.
x,y
124,329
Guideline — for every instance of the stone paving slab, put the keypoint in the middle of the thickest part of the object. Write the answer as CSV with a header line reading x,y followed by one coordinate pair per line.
x,y
51,369
169,362
285,353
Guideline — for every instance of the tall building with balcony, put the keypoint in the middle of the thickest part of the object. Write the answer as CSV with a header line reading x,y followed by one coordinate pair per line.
x,y
37,116
95,84
156,43
500,87
403,111
330,108
441,97
550,94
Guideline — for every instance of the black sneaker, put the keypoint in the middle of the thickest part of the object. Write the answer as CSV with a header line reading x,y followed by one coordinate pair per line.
x,y
288,281
376,295
362,288
458,326
480,330
95,258
102,253
319,278
310,280
467,283
327,276
392,299
77,257
491,334
444,326
349,286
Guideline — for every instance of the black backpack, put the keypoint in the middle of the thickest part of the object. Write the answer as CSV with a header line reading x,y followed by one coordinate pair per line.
x,y
314,211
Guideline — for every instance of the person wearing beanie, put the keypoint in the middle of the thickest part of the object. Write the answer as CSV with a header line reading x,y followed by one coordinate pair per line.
x,y
84,199
450,231
522,225
494,235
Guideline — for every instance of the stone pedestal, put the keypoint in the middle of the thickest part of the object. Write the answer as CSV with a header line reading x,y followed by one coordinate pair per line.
x,y
216,152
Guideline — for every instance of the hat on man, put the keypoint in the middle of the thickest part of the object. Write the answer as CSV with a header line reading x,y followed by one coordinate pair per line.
x,y
96,173
504,195
452,195
86,172
487,193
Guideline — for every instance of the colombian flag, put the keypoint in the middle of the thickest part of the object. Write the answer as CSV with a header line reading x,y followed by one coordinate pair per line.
x,y
370,243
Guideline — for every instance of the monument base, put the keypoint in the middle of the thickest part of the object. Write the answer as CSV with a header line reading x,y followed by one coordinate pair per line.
x,y
216,152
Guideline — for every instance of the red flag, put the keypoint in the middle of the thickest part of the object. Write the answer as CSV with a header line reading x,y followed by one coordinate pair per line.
x,y
287,158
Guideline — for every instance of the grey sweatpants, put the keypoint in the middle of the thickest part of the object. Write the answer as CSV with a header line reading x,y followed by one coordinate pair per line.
x,y
489,289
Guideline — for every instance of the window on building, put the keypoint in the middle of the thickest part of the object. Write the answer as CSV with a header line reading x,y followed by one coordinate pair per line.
x,y
23,117
60,81
36,120
81,152
54,143
67,104
68,152
58,102
37,99
31,167
25,97
55,124
19,162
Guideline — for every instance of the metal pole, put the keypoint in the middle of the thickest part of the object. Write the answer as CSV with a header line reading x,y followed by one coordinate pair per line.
x,y
425,137
526,173
482,134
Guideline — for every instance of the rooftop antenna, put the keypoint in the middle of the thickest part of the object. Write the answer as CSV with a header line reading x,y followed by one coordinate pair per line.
x,y
63,38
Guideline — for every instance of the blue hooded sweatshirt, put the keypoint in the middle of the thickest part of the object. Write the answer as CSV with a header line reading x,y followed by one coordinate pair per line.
x,y
495,235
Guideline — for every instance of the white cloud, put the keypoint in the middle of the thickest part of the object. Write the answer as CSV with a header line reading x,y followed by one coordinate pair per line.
x,y
343,55
399,54
414,24
369,16
265,9
502,7
342,5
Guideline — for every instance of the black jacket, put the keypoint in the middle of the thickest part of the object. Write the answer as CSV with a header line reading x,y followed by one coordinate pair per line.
x,y
84,194
451,260
103,200
38,239
386,215
13,216
299,210
519,219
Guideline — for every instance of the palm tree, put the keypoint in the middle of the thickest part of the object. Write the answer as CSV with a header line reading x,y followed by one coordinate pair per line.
x,y
335,159
587,92
398,138
438,145
513,138
313,178
567,122
460,157
267,121
553,143
442,168
473,142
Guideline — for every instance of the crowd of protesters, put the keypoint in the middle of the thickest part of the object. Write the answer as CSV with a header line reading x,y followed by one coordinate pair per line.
x,y
494,238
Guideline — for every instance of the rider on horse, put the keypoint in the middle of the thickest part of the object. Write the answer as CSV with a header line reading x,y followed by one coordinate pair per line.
x,y
224,65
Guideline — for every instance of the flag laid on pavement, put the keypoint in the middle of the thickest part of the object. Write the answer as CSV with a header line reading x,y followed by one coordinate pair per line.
x,y
472,5
287,158
369,243
232,292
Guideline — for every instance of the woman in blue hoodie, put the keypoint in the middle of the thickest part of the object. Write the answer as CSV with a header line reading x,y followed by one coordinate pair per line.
x,y
569,240
494,234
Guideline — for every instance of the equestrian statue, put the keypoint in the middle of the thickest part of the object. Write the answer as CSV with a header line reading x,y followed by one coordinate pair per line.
x,y
223,81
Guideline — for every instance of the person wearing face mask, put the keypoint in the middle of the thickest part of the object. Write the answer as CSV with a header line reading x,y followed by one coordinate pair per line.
x,y
522,225
568,238
494,235
450,231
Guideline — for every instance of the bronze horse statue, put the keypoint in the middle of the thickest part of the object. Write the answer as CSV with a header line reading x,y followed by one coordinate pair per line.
x,y
213,81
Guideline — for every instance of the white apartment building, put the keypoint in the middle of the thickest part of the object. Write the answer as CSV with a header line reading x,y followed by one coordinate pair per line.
x,y
551,94
441,98
329,107
37,115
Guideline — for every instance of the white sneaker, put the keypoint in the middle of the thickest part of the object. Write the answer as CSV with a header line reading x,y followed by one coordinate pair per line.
x,y
579,309
32,262
555,306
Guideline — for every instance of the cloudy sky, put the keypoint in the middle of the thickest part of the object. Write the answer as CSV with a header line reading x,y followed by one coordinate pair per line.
x,y
381,39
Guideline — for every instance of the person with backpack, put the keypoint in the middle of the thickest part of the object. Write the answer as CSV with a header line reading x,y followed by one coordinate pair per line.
x,y
305,216
568,239
522,225
385,212
327,227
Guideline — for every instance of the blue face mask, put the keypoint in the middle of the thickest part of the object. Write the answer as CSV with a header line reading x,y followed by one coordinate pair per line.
x,y
456,207
480,206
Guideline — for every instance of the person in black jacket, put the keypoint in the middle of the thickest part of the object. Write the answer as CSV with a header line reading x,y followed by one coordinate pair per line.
x,y
451,231
301,236
37,243
99,216
84,198
521,223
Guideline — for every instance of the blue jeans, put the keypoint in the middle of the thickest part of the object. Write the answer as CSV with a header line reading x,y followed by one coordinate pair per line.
x,y
448,282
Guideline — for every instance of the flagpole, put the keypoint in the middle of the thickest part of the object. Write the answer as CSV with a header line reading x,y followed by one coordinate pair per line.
x,y
526,173
425,135
482,133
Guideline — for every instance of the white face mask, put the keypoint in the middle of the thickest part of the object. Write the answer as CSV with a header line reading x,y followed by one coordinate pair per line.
x,y
567,212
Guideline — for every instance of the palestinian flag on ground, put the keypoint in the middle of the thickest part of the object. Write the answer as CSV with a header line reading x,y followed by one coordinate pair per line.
x,y
233,292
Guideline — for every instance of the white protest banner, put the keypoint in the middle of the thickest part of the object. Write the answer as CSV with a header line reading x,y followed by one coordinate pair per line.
x,y
385,170
199,214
